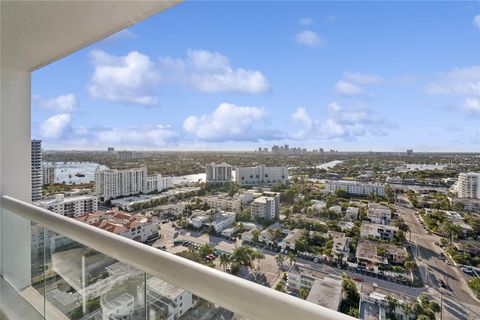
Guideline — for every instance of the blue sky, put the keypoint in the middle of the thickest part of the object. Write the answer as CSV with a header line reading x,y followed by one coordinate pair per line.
x,y
380,76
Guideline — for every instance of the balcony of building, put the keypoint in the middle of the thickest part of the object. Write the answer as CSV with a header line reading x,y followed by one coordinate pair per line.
x,y
53,267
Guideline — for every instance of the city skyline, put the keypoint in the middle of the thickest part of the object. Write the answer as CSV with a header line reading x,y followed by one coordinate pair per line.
x,y
311,81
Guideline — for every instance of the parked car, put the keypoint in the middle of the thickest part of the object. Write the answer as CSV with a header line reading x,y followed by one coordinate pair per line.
x,y
358,279
466,270
442,284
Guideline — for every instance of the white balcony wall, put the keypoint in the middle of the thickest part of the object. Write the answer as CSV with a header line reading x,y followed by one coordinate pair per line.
x,y
15,173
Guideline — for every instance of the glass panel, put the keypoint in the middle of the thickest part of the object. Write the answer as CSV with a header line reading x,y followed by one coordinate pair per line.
x,y
82,283
166,301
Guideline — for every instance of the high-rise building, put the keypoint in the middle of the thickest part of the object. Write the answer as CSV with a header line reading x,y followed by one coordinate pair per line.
x,y
218,173
129,155
260,175
36,155
410,152
111,149
118,183
468,185
48,172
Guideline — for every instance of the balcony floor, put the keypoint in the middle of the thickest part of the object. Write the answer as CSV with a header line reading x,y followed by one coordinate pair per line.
x,y
13,305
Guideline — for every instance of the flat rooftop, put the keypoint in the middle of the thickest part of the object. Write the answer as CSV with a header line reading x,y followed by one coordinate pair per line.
x,y
326,292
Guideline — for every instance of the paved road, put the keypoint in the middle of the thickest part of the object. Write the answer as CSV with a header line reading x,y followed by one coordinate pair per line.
x,y
458,301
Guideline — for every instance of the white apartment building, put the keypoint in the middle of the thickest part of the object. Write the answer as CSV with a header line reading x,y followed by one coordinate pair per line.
x,y
264,207
36,158
223,221
120,183
325,291
260,175
158,183
166,301
355,187
379,231
378,213
468,185
71,207
48,174
218,173
223,203
289,241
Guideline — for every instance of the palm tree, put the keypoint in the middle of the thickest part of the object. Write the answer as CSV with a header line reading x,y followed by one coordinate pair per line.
x,y
291,259
280,259
258,256
452,230
407,310
255,234
410,265
224,260
303,292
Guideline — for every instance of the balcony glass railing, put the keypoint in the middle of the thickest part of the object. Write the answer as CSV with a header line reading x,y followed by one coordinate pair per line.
x,y
95,274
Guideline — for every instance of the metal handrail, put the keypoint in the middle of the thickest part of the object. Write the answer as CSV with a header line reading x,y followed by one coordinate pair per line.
x,y
241,296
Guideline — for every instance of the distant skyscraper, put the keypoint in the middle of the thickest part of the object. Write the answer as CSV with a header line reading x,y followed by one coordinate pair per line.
x,y
410,152
48,173
111,149
37,180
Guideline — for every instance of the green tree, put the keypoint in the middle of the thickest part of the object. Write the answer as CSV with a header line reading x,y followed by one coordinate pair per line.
x,y
224,260
255,234
280,259
303,293
474,284
410,265
389,194
281,286
291,259
452,230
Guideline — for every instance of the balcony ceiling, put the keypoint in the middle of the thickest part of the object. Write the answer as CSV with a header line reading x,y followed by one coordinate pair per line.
x,y
36,33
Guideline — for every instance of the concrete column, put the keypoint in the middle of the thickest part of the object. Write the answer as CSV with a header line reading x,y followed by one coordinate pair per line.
x,y
15,174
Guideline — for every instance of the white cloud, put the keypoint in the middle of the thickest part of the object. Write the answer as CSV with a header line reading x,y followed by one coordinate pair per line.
x,y
345,88
229,123
362,78
463,83
56,127
347,123
309,38
211,72
306,21
476,20
124,79
65,103
472,105
459,81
